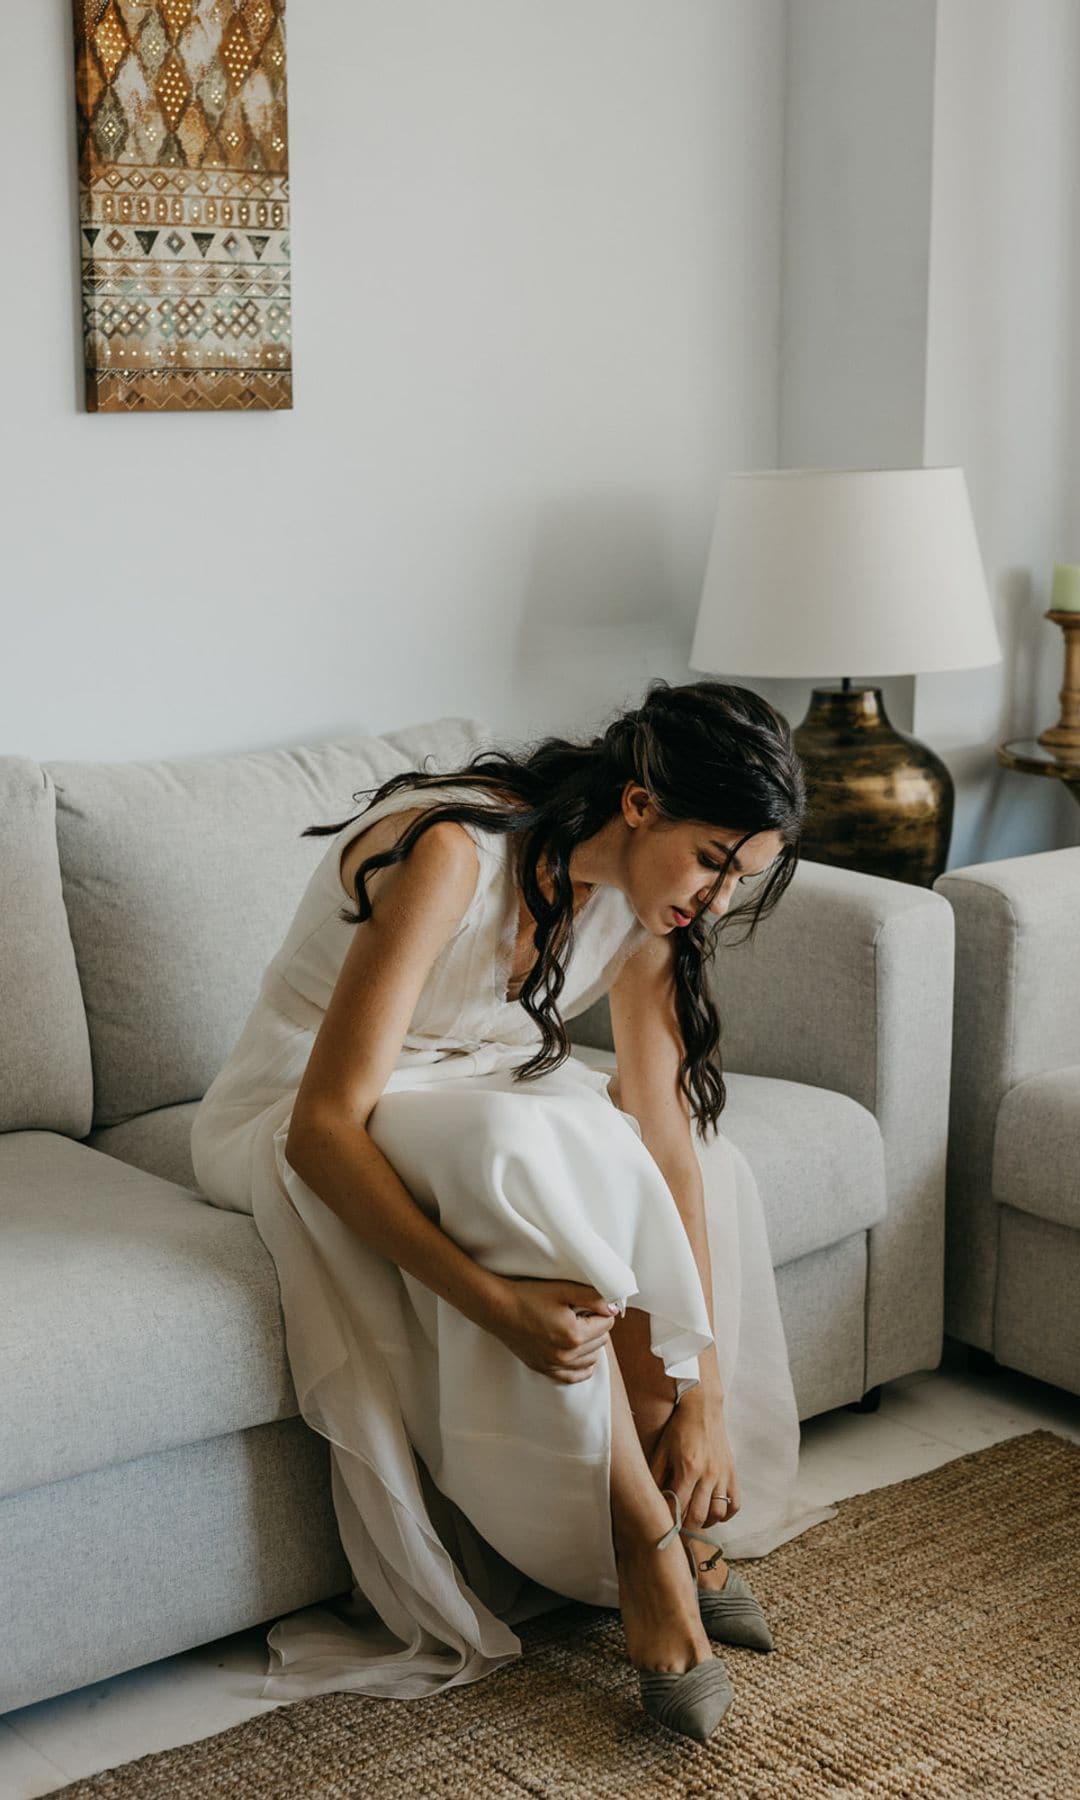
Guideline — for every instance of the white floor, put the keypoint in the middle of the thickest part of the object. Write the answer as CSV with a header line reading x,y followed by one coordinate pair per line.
x,y
924,1420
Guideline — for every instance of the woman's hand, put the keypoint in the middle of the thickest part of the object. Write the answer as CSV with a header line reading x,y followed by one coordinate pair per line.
x,y
558,1328
692,1456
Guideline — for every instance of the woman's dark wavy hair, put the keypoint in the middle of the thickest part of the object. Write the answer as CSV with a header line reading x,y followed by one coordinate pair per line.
x,y
709,752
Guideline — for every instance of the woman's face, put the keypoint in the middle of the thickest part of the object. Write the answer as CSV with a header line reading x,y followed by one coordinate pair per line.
x,y
672,867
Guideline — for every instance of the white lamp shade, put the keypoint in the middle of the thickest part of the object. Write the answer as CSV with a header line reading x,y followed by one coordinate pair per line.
x,y
826,572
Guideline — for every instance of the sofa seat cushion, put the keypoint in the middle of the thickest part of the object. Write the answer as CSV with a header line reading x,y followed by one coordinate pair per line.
x,y
159,1142
134,1316
817,1157
1037,1147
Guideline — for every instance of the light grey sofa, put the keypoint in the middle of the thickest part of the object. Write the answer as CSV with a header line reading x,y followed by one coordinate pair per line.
x,y
157,1486
1013,1234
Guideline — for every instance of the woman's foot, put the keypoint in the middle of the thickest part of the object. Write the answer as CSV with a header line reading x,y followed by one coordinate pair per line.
x,y
658,1603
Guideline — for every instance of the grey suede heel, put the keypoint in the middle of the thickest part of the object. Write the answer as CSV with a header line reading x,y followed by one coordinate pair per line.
x,y
731,1615
695,1701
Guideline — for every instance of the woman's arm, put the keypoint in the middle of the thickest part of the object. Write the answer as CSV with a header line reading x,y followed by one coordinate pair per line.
x,y
692,1454
417,905
649,1049
557,1328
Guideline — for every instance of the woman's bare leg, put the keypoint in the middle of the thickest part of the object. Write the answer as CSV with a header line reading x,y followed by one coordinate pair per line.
x,y
650,1391
657,1598
650,1395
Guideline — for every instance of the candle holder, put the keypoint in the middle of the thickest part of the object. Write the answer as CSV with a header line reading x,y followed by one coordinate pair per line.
x,y
1063,739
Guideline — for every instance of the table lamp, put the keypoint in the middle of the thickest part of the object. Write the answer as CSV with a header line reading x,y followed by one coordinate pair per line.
x,y
812,571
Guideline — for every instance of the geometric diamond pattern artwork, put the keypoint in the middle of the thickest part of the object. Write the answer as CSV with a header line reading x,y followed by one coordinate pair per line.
x,y
184,204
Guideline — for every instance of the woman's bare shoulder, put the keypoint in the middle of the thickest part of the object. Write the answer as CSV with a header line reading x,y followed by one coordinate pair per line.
x,y
446,844
650,960
416,906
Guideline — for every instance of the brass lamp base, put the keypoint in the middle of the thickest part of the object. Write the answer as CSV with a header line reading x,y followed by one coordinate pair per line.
x,y
879,801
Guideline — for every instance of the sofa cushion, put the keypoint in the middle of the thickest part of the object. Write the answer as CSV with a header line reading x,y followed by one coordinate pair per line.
x,y
181,879
1037,1147
134,1317
817,1157
45,1079
159,1142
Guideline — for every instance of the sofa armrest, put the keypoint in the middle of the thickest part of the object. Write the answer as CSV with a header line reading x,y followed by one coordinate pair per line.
x,y
1017,1014
848,986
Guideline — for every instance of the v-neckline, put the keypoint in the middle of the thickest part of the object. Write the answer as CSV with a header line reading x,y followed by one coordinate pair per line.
x,y
508,939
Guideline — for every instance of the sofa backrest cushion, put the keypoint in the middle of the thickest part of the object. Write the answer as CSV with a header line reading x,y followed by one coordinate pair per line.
x,y
181,879
45,1082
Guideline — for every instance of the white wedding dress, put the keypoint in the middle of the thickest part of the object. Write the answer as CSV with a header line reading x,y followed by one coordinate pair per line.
x,y
470,1491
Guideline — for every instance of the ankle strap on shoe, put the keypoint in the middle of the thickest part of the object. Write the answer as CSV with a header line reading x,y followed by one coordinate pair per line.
x,y
717,1550
677,1527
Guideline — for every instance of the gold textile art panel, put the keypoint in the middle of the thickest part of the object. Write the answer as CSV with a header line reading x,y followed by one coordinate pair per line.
x,y
184,204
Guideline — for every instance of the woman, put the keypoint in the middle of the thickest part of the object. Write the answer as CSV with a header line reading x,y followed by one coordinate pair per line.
x,y
461,1212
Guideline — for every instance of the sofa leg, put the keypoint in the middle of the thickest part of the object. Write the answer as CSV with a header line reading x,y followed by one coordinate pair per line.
x,y
869,1403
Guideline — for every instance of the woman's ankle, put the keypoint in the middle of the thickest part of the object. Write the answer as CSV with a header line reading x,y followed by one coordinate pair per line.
x,y
659,1607
638,1532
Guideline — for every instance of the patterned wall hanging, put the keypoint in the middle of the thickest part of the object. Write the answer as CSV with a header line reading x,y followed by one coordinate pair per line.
x,y
184,204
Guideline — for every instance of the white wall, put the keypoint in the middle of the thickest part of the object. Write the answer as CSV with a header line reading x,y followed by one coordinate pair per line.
x,y
858,129
930,308
1003,387
858,136
540,254
536,260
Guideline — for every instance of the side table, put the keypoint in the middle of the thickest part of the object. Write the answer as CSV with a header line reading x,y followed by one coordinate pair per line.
x,y
1029,757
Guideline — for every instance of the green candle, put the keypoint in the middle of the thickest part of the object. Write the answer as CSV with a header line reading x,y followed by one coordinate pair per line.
x,y
1065,593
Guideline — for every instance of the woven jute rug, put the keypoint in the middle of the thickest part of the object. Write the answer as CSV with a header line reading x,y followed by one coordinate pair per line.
x,y
928,1643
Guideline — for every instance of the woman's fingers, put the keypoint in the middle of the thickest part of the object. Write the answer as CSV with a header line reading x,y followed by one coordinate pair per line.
x,y
721,1510
696,1506
586,1333
591,1343
578,1373
702,1496
586,1300
581,1353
